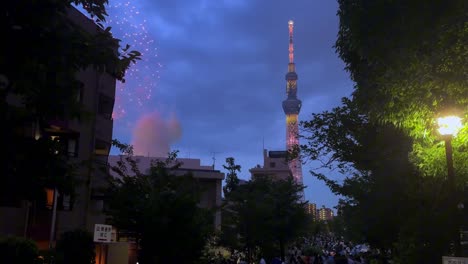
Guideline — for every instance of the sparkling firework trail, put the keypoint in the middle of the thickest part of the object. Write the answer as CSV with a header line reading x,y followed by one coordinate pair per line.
x,y
131,28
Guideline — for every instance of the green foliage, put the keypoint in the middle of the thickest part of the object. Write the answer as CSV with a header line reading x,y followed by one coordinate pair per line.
x,y
264,215
160,209
18,250
343,138
408,58
337,225
76,247
212,253
232,181
409,62
229,235
429,156
386,201
316,227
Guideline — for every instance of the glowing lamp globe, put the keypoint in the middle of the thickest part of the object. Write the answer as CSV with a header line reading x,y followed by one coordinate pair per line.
x,y
290,22
449,125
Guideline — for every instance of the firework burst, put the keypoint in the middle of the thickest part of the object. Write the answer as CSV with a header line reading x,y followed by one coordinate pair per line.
x,y
128,25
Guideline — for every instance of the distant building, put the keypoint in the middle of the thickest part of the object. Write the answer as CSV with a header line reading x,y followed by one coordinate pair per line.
x,y
274,166
325,214
311,209
242,182
209,179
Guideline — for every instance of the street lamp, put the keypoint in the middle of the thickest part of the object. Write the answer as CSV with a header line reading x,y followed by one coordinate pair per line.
x,y
449,125
448,128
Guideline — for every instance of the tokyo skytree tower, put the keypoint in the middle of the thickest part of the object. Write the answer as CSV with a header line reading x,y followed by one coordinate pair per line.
x,y
292,107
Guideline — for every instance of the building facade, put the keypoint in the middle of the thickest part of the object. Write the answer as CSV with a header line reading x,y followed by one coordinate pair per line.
x,y
311,209
274,166
325,214
86,142
210,179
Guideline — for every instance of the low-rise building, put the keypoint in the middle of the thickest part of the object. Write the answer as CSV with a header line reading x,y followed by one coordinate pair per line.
x,y
274,166
209,179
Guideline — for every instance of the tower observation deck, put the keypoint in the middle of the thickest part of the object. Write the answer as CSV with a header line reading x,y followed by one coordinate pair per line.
x,y
292,107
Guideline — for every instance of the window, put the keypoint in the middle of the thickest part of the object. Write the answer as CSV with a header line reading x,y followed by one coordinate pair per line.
x,y
72,147
106,105
101,147
66,144
79,95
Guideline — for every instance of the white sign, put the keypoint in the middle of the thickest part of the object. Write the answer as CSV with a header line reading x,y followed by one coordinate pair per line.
x,y
102,233
454,260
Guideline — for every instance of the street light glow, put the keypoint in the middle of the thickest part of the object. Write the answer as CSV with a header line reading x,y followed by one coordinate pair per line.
x,y
449,125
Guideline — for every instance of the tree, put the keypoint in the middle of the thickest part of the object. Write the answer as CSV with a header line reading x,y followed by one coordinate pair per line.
x,y
289,215
409,62
408,58
386,201
229,236
38,78
232,181
18,250
160,209
266,215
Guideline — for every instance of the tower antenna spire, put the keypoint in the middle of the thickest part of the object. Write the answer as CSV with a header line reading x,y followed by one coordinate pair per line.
x,y
291,44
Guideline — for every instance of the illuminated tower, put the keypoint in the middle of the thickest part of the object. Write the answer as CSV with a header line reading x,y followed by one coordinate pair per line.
x,y
292,107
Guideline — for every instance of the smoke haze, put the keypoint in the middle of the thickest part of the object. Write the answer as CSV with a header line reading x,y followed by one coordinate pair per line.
x,y
153,135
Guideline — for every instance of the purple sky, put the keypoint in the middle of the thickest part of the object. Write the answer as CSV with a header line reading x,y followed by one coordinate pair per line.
x,y
218,67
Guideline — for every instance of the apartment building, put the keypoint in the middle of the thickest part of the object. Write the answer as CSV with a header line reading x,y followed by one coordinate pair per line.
x,y
86,142
325,214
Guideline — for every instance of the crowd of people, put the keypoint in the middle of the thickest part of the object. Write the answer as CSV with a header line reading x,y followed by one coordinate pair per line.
x,y
321,249
328,249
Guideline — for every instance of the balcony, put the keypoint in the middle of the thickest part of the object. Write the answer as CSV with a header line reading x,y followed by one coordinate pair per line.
x,y
101,147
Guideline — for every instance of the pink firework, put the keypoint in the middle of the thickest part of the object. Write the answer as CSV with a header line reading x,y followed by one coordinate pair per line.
x,y
133,96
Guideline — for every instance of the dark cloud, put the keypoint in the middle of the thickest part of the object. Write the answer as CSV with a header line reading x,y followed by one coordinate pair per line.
x,y
223,72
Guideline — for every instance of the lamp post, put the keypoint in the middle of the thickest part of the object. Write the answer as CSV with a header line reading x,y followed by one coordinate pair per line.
x,y
448,128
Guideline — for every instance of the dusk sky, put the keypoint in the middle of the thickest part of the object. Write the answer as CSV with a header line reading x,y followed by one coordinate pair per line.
x,y
213,77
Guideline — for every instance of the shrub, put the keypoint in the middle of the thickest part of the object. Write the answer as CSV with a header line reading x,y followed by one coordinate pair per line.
x,y
18,250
